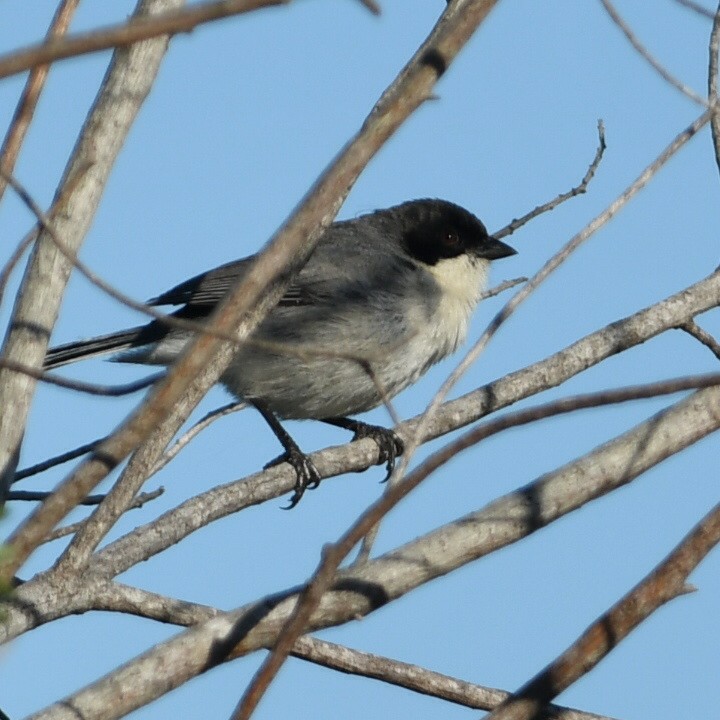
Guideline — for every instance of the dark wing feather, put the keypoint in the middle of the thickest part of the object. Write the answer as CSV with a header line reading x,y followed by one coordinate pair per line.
x,y
200,294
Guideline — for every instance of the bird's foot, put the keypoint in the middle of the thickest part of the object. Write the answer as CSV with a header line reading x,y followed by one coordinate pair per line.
x,y
307,475
390,446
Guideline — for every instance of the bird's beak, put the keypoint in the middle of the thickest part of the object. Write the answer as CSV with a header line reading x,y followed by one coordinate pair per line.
x,y
493,249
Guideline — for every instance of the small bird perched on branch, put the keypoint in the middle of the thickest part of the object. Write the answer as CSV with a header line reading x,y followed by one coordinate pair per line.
x,y
382,298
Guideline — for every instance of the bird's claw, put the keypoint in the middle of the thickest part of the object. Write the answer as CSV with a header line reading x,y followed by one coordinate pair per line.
x,y
307,475
390,446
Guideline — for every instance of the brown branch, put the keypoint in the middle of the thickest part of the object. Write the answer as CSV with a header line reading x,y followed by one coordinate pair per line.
x,y
117,36
31,94
692,328
664,73
579,189
665,583
418,679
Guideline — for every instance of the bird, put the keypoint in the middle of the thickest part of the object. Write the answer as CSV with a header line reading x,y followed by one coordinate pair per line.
x,y
382,298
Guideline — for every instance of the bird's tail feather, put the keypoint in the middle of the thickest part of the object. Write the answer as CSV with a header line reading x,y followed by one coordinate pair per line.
x,y
83,349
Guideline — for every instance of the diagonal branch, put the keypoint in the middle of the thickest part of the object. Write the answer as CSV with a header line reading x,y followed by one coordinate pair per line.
x,y
665,583
140,27
31,94
416,678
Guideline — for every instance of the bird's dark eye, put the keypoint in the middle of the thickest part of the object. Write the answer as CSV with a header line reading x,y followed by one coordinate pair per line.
x,y
451,238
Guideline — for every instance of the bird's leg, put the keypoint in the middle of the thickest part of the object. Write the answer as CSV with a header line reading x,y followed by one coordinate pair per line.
x,y
390,446
307,474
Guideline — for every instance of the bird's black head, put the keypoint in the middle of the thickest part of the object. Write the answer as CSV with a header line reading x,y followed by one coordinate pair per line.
x,y
434,230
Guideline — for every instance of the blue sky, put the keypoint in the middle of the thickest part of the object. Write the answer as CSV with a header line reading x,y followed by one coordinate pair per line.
x,y
244,116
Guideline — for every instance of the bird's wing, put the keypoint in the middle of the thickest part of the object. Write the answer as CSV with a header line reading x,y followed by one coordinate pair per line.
x,y
203,292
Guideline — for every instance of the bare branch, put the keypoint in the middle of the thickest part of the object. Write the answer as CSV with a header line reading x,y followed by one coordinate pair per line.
x,y
79,385
664,73
35,496
417,679
665,583
692,328
57,460
72,528
195,430
140,27
697,7
117,597
502,287
510,228
713,52
34,85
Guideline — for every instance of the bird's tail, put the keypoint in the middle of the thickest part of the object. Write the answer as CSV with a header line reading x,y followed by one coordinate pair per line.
x,y
83,349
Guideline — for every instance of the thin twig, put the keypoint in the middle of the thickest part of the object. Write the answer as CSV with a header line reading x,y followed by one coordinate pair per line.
x,y
692,328
57,460
579,189
666,582
502,287
195,430
90,500
664,73
30,95
371,5
697,7
59,203
416,678
15,258
72,528
124,34
79,385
